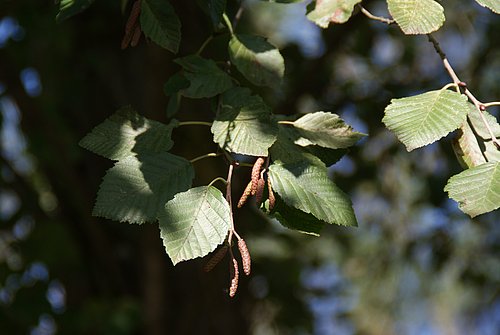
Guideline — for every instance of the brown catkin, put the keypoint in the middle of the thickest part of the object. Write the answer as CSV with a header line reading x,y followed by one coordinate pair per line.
x,y
132,18
132,27
245,195
126,40
137,36
257,167
272,198
260,191
216,258
234,277
245,256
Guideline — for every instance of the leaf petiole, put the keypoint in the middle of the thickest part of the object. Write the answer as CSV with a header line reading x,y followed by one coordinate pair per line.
x,y
216,180
212,154
228,23
195,123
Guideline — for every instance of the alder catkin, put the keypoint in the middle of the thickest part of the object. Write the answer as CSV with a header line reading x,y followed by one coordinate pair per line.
x,y
137,36
132,27
272,198
216,258
257,167
245,195
260,190
245,256
132,19
234,277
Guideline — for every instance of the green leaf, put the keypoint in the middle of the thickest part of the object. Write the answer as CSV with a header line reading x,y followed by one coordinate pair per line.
x,y
308,188
479,126
175,83
477,190
160,23
466,148
494,5
286,151
126,133
326,130
327,156
214,9
336,11
425,118
244,124
296,219
491,152
205,77
136,188
258,60
68,8
173,105
417,16
283,1
194,223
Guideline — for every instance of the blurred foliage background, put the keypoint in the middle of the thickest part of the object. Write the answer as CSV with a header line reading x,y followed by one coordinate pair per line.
x,y
415,264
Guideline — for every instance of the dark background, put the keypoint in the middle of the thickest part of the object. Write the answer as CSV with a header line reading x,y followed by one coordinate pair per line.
x,y
415,264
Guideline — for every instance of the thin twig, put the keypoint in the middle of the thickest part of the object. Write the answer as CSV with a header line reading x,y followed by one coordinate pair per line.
x,y
237,17
230,202
479,105
493,103
195,123
216,180
212,154
286,122
228,23
200,50
375,17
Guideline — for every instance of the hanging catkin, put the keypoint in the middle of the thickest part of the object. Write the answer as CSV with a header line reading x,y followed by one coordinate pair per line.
x,y
137,36
257,167
272,198
260,191
234,277
245,256
245,195
132,27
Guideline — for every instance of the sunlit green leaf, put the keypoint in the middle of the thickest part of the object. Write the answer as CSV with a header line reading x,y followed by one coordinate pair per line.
x,y
194,223
491,151
258,60
494,5
477,190
68,8
137,187
335,11
417,16
205,77
307,187
425,118
160,23
244,124
479,125
127,133
326,130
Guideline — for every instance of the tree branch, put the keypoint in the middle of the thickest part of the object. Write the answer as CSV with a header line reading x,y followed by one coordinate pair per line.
x,y
479,105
